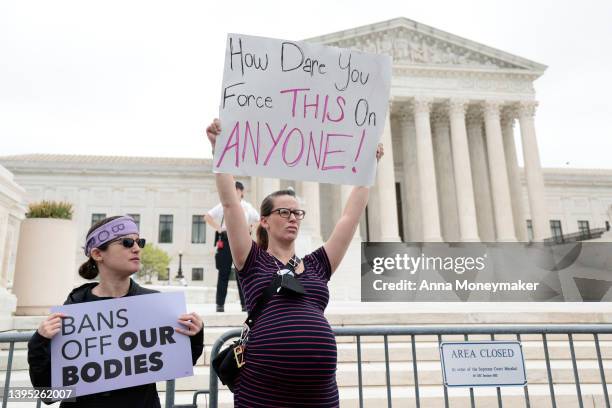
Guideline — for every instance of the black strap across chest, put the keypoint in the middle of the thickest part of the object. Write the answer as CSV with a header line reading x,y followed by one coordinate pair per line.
x,y
270,291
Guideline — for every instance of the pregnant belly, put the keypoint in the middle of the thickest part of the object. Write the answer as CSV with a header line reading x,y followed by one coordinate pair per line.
x,y
292,341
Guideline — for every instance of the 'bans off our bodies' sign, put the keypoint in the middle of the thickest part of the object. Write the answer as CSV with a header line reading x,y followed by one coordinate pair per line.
x,y
119,343
301,111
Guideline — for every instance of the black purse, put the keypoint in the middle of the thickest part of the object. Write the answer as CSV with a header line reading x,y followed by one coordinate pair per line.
x,y
229,361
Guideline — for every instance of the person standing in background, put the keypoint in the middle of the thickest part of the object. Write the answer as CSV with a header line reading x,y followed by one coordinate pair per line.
x,y
223,255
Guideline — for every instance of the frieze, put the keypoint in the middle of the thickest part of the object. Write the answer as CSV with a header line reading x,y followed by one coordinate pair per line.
x,y
411,47
471,84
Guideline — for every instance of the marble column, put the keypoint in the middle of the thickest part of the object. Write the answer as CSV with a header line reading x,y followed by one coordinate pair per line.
x,y
516,190
385,180
502,207
266,186
466,208
345,191
427,171
480,175
12,212
533,171
445,178
309,192
373,209
346,283
7,263
412,205
4,246
8,301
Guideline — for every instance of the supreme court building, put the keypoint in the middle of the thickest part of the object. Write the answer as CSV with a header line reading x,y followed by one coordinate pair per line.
x,y
459,112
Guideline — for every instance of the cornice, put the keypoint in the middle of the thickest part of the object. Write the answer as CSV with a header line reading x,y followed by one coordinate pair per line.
x,y
93,166
462,72
464,50
568,177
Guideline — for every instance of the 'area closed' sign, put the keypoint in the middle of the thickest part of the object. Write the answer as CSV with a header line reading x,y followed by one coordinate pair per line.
x,y
483,363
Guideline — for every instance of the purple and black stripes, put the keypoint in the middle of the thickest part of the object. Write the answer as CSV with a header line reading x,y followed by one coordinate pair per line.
x,y
291,355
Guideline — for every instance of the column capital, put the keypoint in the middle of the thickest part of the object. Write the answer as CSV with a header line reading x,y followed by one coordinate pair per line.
x,y
439,115
508,114
404,112
527,108
422,104
457,106
473,115
491,108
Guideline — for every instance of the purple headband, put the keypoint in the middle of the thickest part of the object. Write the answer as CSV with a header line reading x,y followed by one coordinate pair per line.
x,y
118,227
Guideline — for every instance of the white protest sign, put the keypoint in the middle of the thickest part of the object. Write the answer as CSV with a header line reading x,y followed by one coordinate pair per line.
x,y
119,343
301,111
483,364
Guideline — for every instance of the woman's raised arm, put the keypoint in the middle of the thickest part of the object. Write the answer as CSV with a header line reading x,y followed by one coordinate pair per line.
x,y
340,238
234,219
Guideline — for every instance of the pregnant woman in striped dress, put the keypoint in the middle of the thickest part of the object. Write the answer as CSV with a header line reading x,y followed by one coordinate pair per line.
x,y
291,354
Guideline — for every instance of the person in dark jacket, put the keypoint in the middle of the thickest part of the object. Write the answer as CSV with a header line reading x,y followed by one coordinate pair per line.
x,y
113,247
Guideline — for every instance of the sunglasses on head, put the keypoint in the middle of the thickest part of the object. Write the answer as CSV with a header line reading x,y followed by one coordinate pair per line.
x,y
129,242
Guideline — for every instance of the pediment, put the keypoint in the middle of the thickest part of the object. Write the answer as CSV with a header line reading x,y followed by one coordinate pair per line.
x,y
412,43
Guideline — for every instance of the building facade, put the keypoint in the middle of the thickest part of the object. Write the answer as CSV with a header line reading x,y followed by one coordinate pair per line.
x,y
12,211
451,154
459,112
169,196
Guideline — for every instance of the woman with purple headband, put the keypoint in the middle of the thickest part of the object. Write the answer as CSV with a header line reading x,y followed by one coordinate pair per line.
x,y
290,356
113,248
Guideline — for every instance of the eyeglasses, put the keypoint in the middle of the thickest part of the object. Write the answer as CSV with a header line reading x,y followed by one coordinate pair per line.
x,y
129,242
286,213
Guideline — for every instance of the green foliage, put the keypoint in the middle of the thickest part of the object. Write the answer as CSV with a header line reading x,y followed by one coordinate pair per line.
x,y
50,209
153,261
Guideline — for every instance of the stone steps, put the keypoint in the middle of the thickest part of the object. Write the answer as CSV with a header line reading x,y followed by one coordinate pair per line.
x,y
433,397
429,373
429,397
415,313
401,373
211,334
399,351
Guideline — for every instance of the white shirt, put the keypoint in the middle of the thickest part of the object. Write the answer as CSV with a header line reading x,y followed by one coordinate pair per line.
x,y
250,214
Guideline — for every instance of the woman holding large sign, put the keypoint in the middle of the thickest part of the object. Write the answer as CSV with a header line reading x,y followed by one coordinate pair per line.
x,y
113,249
291,356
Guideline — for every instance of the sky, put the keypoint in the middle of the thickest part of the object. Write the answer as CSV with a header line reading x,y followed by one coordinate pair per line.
x,y
143,78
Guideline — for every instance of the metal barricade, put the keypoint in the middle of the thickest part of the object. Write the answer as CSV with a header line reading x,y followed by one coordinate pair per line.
x,y
386,332
12,338
465,331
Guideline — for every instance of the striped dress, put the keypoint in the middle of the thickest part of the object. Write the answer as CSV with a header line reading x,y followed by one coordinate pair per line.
x,y
291,354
